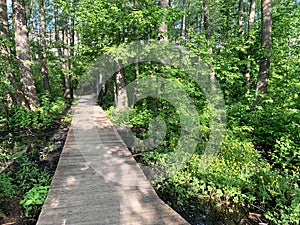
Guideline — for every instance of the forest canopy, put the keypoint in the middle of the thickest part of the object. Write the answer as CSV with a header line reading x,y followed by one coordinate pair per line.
x,y
251,49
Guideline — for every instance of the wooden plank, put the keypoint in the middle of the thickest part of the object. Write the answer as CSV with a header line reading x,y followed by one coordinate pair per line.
x,y
97,181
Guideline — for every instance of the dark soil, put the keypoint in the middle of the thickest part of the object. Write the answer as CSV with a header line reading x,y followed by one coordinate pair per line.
x,y
12,212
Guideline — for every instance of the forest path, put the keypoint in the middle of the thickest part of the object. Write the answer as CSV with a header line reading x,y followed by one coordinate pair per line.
x,y
97,181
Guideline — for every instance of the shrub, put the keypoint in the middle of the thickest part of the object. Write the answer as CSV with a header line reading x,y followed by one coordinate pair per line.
x,y
7,188
34,199
237,178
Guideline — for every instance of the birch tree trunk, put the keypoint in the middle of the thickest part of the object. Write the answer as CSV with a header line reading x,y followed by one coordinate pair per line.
x,y
23,54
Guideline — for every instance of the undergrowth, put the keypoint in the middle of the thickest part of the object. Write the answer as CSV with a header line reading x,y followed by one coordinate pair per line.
x,y
255,171
24,150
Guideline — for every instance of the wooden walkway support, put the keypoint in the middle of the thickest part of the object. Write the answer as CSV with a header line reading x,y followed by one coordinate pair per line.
x,y
97,181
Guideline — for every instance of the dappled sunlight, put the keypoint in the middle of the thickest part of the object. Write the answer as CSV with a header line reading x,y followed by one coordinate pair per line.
x,y
97,180
71,180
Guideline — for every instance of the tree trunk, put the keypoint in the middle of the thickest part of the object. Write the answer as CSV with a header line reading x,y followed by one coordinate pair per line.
x,y
56,28
72,44
251,14
44,67
72,37
266,43
241,16
250,26
183,20
7,60
163,28
207,29
121,99
4,20
67,93
23,54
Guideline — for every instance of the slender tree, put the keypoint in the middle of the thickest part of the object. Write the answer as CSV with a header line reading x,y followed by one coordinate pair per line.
x,y
250,26
23,54
251,14
266,43
121,98
67,93
4,19
207,29
6,57
44,67
183,20
163,28
72,37
72,29
241,15
56,29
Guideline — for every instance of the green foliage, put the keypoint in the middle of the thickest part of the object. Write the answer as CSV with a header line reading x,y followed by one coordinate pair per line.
x,y
19,116
133,21
259,162
26,173
7,188
286,153
43,117
279,137
25,178
258,165
237,178
34,199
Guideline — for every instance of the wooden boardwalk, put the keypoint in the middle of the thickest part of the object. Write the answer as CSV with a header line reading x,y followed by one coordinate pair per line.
x,y
97,181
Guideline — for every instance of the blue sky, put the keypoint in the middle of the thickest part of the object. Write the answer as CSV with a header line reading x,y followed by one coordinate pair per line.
x,y
9,5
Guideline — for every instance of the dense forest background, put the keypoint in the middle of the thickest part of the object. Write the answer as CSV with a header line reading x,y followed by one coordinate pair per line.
x,y
252,50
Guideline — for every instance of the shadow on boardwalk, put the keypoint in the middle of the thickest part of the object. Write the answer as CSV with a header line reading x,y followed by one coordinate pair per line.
x,y
97,181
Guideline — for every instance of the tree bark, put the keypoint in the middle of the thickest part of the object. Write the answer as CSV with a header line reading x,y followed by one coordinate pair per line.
x,y
241,16
250,26
207,29
65,64
4,19
266,44
56,28
23,54
183,20
6,57
251,14
72,43
44,67
72,37
163,28
121,98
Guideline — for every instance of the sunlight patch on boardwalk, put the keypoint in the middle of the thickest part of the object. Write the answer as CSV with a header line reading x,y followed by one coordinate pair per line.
x,y
80,195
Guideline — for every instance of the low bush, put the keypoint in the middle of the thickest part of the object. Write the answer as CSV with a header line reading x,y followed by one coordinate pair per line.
x,y
34,199
237,180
